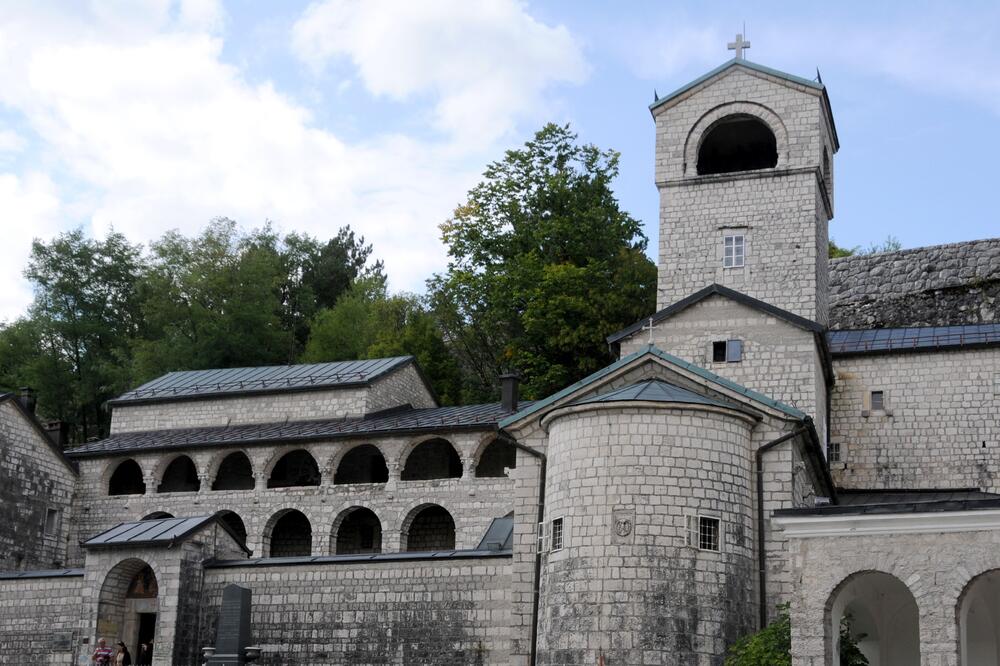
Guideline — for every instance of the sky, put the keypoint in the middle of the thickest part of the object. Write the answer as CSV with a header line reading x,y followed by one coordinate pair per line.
x,y
150,115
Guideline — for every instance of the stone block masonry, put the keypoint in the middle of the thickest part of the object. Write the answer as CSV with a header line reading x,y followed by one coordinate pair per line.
x,y
41,619
443,612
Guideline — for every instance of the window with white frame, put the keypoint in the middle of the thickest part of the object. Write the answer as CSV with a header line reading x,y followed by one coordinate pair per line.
x,y
704,532
557,534
834,452
734,251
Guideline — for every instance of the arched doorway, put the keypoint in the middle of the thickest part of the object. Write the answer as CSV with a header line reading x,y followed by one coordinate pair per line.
x,y
882,615
428,528
979,620
357,530
128,606
289,535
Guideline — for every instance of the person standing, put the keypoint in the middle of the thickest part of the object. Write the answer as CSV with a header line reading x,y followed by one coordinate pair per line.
x,y
102,654
122,657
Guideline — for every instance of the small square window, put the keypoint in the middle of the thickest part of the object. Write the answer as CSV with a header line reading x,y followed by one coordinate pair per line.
x,y
727,351
719,351
708,533
51,522
557,534
833,452
734,251
878,401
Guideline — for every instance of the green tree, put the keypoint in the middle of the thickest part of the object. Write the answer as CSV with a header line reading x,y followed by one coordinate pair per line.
x,y
543,265
890,244
771,646
835,251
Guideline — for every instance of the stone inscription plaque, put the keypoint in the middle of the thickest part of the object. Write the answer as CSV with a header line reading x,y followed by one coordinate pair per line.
x,y
62,641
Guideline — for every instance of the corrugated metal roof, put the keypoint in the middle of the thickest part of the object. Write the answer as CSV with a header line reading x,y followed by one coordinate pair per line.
x,y
467,417
654,390
235,381
162,531
42,573
847,497
925,338
736,62
315,560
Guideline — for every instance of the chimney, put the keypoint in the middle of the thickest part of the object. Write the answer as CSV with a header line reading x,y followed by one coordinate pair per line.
x,y
58,432
26,396
509,383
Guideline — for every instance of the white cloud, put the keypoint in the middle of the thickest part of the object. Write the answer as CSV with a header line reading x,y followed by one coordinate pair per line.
x,y
152,130
488,63
11,141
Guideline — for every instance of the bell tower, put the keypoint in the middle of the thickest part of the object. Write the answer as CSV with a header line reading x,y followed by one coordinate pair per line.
x,y
744,166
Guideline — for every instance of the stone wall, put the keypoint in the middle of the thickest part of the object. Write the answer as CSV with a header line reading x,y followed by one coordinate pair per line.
x,y
34,480
941,285
472,502
41,620
782,212
405,386
442,612
940,426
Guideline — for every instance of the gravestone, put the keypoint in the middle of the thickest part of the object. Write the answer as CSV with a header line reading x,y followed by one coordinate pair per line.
x,y
233,633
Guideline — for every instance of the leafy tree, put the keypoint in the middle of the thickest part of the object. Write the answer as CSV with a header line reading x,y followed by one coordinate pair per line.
x,y
836,251
890,244
544,264
771,646
850,653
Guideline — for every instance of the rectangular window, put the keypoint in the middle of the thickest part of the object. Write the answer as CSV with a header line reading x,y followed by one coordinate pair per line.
x,y
734,251
727,351
541,537
51,522
557,534
833,452
708,533
878,401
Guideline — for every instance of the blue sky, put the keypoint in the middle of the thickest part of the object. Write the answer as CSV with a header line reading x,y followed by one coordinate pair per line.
x,y
148,115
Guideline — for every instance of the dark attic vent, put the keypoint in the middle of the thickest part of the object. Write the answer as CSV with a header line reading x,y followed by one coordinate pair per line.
x,y
737,143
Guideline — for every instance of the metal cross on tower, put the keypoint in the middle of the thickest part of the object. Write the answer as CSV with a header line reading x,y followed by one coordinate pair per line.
x,y
738,46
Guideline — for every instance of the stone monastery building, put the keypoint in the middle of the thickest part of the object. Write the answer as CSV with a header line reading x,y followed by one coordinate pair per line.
x,y
785,429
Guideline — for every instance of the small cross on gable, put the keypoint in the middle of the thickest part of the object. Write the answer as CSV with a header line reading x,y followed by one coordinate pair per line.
x,y
650,327
738,46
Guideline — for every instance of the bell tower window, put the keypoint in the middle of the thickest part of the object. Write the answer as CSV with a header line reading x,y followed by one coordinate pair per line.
x,y
737,143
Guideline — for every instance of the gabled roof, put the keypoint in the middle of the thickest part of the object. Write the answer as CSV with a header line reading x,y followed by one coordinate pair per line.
x,y
653,352
732,294
189,384
752,66
38,429
912,339
389,422
158,532
654,390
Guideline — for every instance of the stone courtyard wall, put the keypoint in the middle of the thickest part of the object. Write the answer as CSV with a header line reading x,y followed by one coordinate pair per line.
x,y
445,612
939,429
41,619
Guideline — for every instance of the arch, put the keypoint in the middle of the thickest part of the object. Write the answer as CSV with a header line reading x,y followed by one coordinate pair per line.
x,y
235,473
234,523
157,515
495,456
738,142
362,464
978,617
180,476
288,534
126,479
883,615
428,527
433,458
356,530
700,129
295,468
130,590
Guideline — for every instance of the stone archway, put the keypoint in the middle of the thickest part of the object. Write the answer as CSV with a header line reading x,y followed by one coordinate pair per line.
x,y
979,620
884,618
128,606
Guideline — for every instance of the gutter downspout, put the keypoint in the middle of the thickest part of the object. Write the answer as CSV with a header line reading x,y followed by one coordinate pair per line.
x,y
536,585
761,555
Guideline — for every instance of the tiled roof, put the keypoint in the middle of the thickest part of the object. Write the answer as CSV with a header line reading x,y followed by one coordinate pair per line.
x,y
654,390
468,417
188,384
927,338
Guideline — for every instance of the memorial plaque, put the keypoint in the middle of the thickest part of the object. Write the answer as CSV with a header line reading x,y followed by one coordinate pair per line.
x,y
233,631
62,641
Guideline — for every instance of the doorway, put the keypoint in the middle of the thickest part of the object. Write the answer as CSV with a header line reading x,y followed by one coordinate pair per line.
x,y
145,634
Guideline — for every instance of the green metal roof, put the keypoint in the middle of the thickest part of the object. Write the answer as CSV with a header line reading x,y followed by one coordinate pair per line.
x,y
736,63
663,356
654,390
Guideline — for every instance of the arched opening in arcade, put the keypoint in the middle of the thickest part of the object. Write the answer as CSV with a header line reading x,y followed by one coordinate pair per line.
x,y
979,620
157,515
362,464
428,528
296,468
433,459
498,456
128,607
235,473
740,142
127,479
357,531
181,476
235,524
882,617
289,535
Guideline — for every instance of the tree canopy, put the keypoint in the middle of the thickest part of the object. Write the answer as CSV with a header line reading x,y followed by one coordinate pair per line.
x,y
543,264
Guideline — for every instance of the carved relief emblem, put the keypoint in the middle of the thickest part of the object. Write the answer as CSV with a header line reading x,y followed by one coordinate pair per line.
x,y
623,526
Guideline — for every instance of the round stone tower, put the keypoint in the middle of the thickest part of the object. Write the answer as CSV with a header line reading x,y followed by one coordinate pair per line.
x,y
647,542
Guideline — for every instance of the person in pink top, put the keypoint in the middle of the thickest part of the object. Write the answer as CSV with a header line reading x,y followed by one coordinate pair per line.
x,y
103,654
